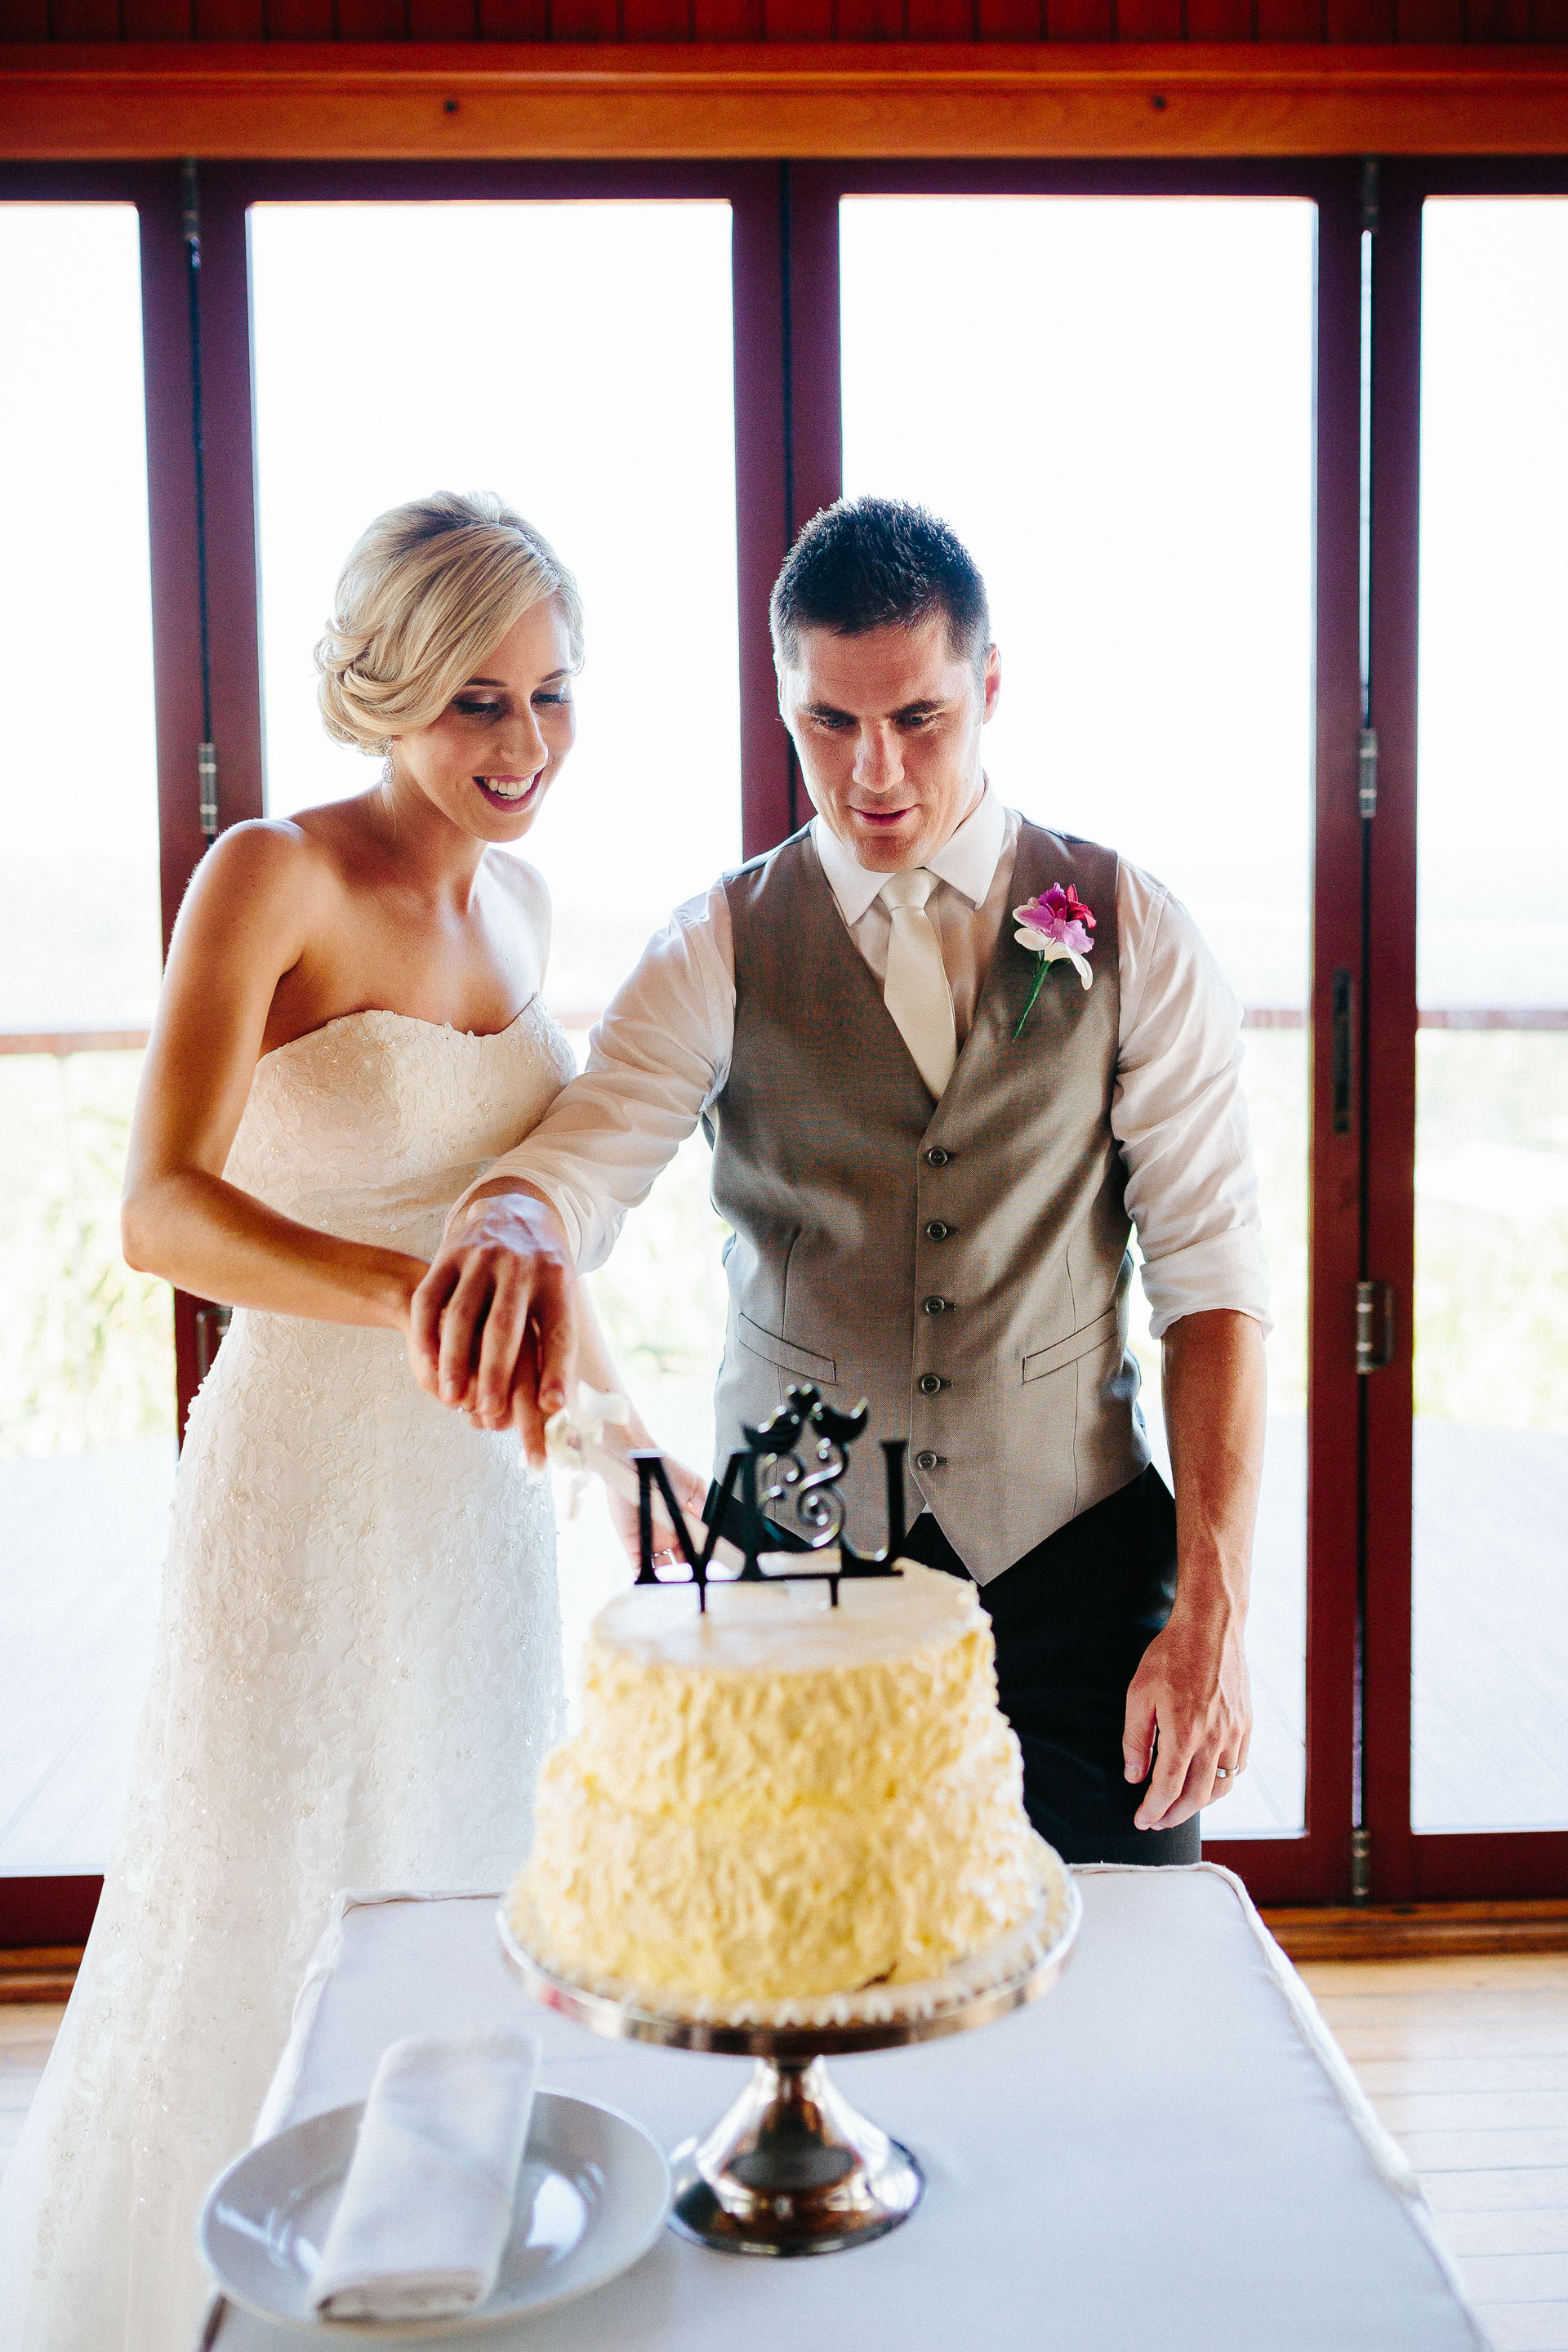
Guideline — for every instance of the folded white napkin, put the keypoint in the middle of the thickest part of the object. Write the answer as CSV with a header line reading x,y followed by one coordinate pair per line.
x,y
427,2207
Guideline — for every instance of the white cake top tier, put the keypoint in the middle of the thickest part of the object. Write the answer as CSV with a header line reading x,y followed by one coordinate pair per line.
x,y
778,1628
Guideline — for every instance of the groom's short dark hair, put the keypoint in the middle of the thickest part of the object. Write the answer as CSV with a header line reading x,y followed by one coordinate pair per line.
x,y
869,564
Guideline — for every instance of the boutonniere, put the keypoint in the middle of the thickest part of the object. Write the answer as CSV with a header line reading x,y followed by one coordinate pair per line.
x,y
1055,926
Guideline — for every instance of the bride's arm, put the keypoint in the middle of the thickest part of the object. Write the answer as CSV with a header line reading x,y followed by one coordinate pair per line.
x,y
244,924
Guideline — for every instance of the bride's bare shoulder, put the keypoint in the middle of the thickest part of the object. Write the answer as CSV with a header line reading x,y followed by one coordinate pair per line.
x,y
262,859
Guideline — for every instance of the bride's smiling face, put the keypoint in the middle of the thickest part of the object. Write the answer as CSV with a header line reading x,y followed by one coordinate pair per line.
x,y
494,753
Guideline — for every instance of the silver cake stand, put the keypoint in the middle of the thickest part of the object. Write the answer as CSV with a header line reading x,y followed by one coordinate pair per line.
x,y
792,2167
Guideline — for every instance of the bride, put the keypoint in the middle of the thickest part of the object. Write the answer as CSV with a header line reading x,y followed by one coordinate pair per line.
x,y
358,1667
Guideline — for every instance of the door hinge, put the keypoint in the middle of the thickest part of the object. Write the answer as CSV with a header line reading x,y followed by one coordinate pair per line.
x,y
1374,1326
206,785
1361,1865
1366,772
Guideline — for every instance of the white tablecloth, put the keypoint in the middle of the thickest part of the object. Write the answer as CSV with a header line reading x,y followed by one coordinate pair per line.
x,y
1167,2154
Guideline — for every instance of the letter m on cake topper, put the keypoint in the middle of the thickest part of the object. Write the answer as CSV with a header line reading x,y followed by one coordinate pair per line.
x,y
788,1470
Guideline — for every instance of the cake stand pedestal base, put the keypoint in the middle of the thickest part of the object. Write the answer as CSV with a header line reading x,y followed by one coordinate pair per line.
x,y
791,2169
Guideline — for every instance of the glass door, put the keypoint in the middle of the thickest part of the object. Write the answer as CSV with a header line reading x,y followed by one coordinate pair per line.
x,y
1112,389
1470,357
87,1391
1491,1596
577,357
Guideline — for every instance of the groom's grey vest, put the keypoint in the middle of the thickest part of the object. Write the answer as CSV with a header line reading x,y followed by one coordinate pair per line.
x,y
963,1267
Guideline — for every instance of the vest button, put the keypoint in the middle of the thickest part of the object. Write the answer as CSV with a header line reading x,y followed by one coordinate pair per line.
x,y
932,1384
936,1231
937,1306
928,1461
936,1157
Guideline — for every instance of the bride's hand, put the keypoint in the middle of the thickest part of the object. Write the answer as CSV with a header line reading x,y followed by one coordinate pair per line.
x,y
690,1493
493,1326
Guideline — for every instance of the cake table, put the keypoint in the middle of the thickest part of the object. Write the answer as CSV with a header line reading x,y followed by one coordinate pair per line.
x,y
1169,2152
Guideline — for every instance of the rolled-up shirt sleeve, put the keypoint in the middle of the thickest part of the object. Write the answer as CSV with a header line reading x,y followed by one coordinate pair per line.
x,y
1180,1115
657,1060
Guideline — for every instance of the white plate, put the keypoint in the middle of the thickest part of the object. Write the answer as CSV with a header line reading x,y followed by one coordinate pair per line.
x,y
592,2197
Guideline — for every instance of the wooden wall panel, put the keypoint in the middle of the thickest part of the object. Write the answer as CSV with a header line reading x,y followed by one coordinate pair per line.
x,y
1219,20
300,20
947,20
799,20
869,20
1148,20
443,20
1359,20
1010,20
238,20
946,23
584,20
514,20
371,20
727,20
655,20
84,20
1080,20
155,20
1429,20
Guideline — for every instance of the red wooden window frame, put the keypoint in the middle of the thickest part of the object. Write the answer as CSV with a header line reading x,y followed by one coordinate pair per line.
x,y
789,462
1407,1864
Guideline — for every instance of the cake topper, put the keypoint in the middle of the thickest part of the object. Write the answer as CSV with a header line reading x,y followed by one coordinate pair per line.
x,y
770,1472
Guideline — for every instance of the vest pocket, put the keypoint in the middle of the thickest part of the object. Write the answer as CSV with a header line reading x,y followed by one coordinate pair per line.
x,y
785,1353
1098,1334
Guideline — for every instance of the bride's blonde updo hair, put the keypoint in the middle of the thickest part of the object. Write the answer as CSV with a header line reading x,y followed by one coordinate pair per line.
x,y
429,591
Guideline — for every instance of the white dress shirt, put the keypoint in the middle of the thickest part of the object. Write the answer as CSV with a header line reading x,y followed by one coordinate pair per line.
x,y
661,1055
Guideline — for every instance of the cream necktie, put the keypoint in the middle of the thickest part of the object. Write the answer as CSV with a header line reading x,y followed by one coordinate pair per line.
x,y
916,991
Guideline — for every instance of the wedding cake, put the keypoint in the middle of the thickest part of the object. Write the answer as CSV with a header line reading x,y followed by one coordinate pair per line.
x,y
779,1799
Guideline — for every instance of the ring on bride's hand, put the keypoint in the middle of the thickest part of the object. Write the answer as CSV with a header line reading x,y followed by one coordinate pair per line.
x,y
1220,1773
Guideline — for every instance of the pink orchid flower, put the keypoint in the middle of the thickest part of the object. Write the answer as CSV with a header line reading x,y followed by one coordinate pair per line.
x,y
1056,927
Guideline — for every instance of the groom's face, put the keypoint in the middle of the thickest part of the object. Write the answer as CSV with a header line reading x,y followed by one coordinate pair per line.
x,y
886,725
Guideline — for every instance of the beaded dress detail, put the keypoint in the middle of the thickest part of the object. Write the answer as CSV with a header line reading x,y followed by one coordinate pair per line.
x,y
358,1671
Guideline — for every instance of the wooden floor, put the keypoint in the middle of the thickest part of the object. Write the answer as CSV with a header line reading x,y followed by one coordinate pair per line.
x,y
1466,2062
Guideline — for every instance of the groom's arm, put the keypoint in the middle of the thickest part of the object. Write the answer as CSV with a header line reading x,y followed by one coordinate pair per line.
x,y
495,1322
1181,1119
1191,1684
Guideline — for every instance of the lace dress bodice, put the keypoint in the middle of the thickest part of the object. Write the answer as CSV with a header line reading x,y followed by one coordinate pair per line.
x,y
372,1126
358,1671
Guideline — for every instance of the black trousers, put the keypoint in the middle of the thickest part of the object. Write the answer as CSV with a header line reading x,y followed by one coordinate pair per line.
x,y
1071,1619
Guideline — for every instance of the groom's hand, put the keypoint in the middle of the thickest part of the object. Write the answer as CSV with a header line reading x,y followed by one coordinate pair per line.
x,y
1189,1705
493,1326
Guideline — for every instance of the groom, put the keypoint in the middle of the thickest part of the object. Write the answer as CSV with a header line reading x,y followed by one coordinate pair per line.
x,y
932,1173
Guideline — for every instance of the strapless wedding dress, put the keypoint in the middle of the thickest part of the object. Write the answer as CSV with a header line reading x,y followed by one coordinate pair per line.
x,y
358,1671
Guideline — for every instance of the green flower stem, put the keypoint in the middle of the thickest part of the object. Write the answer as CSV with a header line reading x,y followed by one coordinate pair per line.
x,y
1040,983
